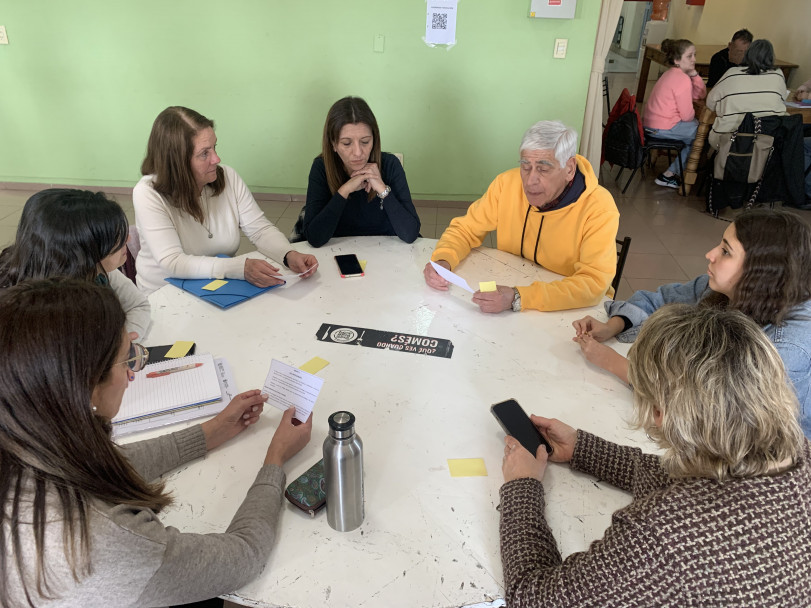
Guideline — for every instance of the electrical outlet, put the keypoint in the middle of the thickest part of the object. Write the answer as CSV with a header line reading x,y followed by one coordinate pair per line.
x,y
3,35
560,48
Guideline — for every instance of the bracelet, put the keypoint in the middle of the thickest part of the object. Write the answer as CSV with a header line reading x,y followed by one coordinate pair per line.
x,y
284,260
516,303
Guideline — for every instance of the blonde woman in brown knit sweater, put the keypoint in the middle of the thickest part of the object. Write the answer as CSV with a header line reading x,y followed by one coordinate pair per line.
x,y
720,519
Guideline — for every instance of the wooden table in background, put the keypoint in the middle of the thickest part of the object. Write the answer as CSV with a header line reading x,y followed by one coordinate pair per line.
x,y
705,119
704,53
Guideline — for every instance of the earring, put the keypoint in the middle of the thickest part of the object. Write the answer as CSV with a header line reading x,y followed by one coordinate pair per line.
x,y
94,408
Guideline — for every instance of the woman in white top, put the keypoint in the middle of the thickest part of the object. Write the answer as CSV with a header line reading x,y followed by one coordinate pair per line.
x,y
77,234
189,209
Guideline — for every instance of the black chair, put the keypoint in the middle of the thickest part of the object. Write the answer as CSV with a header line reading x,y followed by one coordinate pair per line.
x,y
605,94
657,143
622,253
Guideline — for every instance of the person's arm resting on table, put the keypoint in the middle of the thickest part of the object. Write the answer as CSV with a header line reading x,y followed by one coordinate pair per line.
x,y
463,234
614,571
268,239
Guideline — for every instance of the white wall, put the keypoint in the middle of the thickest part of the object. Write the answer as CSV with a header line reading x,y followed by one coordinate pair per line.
x,y
786,23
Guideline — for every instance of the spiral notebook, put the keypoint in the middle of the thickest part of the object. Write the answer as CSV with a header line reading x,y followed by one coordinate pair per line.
x,y
149,397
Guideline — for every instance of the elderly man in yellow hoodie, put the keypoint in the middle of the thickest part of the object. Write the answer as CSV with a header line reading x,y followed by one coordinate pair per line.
x,y
550,210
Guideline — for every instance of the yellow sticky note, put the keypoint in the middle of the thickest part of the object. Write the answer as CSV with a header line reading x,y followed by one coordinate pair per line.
x,y
467,467
362,265
314,365
487,286
214,285
179,349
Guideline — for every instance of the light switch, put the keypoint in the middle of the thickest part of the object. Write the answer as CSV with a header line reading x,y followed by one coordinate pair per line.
x,y
560,47
380,43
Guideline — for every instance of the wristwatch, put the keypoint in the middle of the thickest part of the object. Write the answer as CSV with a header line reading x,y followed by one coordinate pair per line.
x,y
516,306
384,194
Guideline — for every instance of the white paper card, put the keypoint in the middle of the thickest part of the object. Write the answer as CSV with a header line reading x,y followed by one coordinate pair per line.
x,y
288,386
452,277
293,277
440,22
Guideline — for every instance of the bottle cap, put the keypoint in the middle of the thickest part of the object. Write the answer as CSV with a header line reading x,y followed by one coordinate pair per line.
x,y
342,424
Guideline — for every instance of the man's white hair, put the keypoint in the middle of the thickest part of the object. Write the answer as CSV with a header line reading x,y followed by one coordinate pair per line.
x,y
551,135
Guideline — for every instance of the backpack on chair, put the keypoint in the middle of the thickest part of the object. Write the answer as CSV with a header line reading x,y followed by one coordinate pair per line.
x,y
622,144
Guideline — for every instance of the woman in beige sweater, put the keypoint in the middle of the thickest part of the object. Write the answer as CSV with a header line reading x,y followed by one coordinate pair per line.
x,y
79,521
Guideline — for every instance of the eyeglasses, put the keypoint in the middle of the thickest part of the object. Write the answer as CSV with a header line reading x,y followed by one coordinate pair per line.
x,y
139,356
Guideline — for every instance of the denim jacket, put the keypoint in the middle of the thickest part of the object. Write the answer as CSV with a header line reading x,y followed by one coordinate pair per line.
x,y
792,339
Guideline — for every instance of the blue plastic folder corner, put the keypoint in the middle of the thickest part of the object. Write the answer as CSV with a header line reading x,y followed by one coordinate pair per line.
x,y
230,294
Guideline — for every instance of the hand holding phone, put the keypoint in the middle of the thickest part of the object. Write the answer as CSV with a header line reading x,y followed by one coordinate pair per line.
x,y
349,265
515,422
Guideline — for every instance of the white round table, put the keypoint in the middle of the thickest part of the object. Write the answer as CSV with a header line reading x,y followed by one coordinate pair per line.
x,y
428,539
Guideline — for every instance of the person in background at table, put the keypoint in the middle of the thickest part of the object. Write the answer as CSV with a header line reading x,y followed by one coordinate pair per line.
x,y
762,268
720,518
355,189
549,210
730,57
78,234
669,112
79,520
804,92
755,87
189,209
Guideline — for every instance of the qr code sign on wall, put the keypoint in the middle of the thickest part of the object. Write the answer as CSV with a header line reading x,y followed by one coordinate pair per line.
x,y
439,21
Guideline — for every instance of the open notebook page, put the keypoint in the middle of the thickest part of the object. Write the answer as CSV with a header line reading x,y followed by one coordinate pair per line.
x,y
150,396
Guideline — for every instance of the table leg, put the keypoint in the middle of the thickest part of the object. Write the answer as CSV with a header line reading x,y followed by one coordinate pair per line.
x,y
691,168
643,79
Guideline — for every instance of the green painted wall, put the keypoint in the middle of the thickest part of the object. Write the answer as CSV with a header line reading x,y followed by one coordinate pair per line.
x,y
82,80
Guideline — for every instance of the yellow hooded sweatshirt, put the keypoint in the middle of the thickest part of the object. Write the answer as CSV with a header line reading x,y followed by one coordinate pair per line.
x,y
577,241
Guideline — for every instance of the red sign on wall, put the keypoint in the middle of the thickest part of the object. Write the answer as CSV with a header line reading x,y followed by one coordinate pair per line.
x,y
557,2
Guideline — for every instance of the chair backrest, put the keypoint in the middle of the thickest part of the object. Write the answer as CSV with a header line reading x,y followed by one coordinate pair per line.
x,y
605,94
622,253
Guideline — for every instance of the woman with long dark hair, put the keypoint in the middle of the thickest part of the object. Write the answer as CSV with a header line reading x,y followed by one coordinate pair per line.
x,y
191,210
355,189
762,267
78,234
79,519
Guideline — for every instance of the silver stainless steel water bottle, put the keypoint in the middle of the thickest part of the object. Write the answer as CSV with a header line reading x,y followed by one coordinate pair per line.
x,y
343,473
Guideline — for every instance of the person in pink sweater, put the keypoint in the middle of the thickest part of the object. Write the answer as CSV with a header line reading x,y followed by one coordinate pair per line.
x,y
669,113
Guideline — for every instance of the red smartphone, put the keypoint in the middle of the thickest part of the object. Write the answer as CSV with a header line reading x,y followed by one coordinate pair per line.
x,y
349,265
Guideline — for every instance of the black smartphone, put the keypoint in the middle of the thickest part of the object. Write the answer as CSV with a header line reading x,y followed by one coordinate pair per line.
x,y
348,265
515,422
158,353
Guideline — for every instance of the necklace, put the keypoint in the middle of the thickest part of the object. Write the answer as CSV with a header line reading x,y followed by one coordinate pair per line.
x,y
204,198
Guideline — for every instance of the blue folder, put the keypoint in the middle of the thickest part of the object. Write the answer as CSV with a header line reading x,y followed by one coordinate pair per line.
x,y
230,294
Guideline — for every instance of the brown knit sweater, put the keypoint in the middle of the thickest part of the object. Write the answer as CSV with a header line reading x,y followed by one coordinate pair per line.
x,y
682,542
